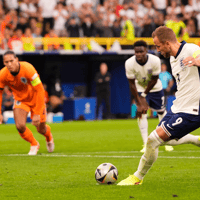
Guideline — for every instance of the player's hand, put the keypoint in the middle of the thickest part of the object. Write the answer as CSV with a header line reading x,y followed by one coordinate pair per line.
x,y
36,120
142,107
189,61
1,119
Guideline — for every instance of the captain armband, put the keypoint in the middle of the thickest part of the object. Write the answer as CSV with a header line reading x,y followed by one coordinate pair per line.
x,y
36,81
196,53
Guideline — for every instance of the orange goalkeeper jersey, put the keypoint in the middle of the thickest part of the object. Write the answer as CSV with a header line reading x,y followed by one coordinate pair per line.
x,y
22,85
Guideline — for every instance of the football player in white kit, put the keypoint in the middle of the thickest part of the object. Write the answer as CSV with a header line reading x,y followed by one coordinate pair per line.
x,y
142,71
184,116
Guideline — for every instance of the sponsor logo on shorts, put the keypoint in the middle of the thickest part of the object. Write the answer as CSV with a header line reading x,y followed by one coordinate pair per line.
x,y
169,126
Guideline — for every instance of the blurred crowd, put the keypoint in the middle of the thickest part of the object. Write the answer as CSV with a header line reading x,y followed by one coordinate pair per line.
x,y
93,18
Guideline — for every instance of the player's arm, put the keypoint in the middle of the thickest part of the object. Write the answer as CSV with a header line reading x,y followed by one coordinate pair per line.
x,y
151,83
1,116
40,99
142,105
193,60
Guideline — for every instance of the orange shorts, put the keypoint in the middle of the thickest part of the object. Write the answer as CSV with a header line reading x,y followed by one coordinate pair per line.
x,y
30,107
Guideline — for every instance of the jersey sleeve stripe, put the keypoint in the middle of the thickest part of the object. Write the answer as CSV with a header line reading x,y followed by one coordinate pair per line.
x,y
34,76
36,81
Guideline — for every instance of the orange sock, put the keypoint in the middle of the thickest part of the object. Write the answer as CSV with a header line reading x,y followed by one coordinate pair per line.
x,y
28,136
48,134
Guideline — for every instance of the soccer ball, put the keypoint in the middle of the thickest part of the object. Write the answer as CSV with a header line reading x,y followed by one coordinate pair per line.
x,y
106,173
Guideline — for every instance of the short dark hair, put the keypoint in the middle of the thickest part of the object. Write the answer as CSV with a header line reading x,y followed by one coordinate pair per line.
x,y
9,52
164,34
140,43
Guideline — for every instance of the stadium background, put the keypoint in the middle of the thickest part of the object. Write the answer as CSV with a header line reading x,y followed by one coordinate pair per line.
x,y
74,58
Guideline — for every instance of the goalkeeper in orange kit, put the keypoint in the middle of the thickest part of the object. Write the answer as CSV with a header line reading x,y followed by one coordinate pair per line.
x,y
28,91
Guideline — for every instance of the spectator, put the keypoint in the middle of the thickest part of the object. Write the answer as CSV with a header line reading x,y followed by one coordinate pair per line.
x,y
23,23
116,28
73,28
52,44
37,34
160,6
10,20
159,19
33,23
28,8
5,38
173,8
15,42
166,79
88,27
28,42
148,27
60,16
101,16
106,30
128,29
46,9
192,28
11,4
148,9
178,26
102,80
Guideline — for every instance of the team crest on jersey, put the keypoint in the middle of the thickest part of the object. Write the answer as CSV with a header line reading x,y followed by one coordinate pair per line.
x,y
182,65
23,80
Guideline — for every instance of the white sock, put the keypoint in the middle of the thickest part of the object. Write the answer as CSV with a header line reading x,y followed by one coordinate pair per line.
x,y
143,126
150,155
161,116
187,139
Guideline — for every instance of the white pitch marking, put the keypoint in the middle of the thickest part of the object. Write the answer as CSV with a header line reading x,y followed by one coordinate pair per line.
x,y
94,156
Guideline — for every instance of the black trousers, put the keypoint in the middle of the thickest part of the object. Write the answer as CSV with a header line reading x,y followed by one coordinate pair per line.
x,y
103,95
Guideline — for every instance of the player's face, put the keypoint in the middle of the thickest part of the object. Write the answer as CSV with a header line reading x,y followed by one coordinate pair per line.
x,y
11,62
140,54
163,48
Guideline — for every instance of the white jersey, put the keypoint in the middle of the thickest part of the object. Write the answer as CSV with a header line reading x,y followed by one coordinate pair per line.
x,y
143,73
187,80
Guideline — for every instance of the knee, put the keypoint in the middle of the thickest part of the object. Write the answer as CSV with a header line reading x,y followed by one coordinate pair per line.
x,y
154,140
41,129
21,127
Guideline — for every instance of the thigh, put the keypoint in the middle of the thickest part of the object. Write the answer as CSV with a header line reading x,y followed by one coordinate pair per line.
x,y
20,116
156,101
43,114
21,111
177,125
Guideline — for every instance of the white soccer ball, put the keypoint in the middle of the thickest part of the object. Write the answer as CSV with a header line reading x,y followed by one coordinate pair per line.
x,y
106,173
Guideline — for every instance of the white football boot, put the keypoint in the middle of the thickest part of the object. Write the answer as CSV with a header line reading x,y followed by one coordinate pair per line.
x,y
50,146
34,149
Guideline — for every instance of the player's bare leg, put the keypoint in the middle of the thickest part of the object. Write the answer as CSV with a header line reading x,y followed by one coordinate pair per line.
x,y
20,117
45,130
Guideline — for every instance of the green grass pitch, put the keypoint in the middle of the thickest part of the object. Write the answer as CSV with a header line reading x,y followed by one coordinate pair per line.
x,y
68,173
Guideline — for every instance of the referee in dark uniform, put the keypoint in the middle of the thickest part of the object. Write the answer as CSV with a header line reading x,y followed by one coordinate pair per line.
x,y
102,80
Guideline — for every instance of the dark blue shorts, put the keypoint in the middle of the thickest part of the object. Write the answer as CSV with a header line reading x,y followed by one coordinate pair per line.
x,y
177,125
156,100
